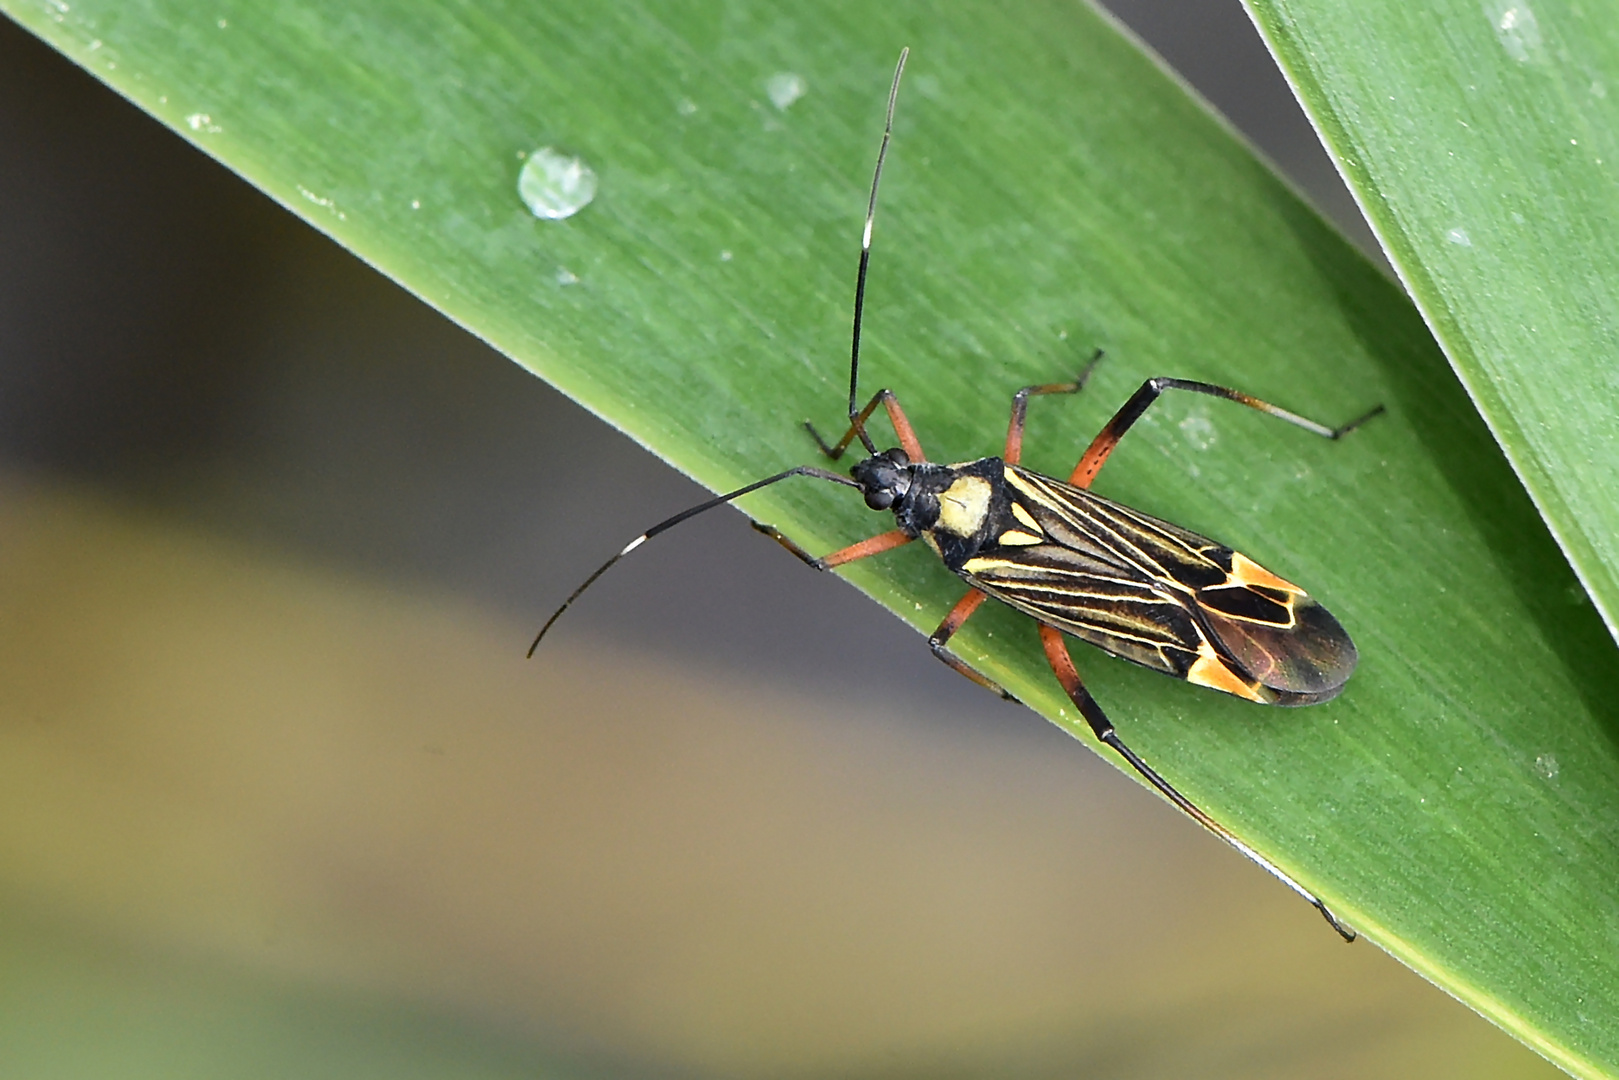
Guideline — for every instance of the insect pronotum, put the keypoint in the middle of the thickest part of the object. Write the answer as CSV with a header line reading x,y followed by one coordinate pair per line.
x,y
1130,584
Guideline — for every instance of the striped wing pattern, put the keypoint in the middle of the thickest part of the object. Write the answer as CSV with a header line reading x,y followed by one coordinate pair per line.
x,y
1159,595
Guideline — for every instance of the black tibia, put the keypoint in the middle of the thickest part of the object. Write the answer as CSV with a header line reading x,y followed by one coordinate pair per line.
x,y
1062,665
1153,388
947,629
781,538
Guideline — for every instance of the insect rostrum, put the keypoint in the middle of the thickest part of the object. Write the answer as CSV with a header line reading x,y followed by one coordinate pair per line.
x,y
1080,565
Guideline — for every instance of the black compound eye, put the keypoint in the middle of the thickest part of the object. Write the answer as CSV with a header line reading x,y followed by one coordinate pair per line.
x,y
897,456
880,499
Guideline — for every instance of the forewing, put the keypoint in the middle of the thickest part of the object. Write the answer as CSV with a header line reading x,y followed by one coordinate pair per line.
x,y
1082,596
1163,596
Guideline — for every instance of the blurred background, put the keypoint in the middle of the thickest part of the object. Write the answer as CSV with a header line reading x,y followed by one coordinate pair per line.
x,y
280,796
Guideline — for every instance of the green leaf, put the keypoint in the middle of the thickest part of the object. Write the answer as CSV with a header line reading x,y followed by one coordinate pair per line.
x,y
1050,191
1482,140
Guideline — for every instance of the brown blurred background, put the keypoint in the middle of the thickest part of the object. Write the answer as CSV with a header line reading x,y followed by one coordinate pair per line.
x,y
280,797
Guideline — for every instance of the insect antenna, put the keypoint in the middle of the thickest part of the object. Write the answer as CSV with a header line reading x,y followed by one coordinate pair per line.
x,y
856,424
865,257
718,500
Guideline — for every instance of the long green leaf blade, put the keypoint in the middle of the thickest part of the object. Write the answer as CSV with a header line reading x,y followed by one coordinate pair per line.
x,y
1051,191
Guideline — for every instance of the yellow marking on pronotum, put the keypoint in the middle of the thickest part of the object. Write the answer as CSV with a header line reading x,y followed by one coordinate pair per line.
x,y
1013,536
964,505
1209,670
1244,571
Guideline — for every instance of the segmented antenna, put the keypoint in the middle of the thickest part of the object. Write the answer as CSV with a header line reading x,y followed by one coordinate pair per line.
x,y
865,260
718,500
854,372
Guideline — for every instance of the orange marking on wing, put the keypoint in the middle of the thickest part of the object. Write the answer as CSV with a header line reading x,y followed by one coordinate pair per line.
x,y
1211,671
1244,571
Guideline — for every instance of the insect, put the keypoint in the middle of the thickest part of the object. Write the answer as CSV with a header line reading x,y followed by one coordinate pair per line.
x,y
1134,586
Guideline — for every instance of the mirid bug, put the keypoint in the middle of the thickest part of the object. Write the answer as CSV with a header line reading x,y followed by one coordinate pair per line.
x,y
1134,586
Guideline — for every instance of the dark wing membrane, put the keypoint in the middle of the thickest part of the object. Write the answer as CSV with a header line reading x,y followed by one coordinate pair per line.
x,y
1307,658
1186,605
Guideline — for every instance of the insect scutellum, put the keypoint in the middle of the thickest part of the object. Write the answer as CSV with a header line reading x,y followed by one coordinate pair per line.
x,y
1082,566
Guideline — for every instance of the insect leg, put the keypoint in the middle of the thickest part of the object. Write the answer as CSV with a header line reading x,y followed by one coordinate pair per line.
x,y
1062,665
1020,407
857,426
1108,438
947,629
875,545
